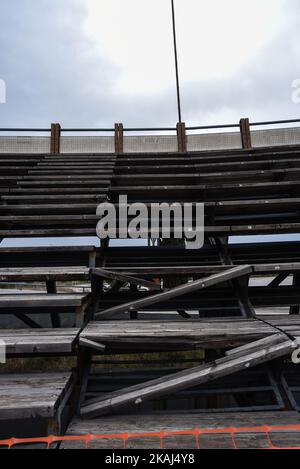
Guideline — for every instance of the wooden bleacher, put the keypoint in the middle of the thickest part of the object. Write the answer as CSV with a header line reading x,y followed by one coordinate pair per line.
x,y
160,299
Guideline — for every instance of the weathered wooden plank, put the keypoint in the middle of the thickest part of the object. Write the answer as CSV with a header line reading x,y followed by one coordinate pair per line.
x,y
92,345
222,277
226,176
174,382
42,300
86,220
45,341
103,273
176,422
28,395
164,335
202,269
78,232
41,273
276,268
47,249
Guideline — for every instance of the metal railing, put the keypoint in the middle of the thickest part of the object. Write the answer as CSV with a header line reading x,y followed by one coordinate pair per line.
x,y
120,139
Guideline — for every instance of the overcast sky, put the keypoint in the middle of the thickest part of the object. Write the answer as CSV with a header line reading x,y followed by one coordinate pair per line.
x,y
96,62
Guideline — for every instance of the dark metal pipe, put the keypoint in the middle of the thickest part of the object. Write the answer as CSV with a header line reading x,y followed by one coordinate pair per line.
x,y
176,62
25,130
153,129
87,130
286,121
156,129
206,127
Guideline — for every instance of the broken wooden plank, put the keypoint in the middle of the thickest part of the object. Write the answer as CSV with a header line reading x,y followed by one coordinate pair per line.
x,y
125,278
222,277
238,361
45,341
92,345
169,335
271,339
28,395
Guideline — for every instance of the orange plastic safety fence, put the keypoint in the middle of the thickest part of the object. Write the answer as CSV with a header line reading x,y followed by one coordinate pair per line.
x,y
196,433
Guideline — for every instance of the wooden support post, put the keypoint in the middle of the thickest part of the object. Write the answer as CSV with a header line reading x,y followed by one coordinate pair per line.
x,y
84,357
261,351
241,288
58,134
55,139
80,312
245,133
119,139
295,310
29,322
52,290
240,285
181,138
96,290
92,259
180,290
276,375
279,279
53,136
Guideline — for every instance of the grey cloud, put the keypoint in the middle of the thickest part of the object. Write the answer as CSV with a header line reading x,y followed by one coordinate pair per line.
x,y
51,69
53,73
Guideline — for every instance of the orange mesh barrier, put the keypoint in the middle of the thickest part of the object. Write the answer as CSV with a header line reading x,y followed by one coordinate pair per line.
x,y
196,433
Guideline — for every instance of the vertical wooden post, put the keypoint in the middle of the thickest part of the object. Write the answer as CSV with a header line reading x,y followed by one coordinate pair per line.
x,y
245,133
181,137
51,290
121,139
295,310
116,139
58,134
55,139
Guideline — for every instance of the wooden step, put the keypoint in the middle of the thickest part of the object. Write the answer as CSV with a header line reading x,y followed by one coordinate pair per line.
x,y
169,425
44,274
29,342
270,348
42,300
27,396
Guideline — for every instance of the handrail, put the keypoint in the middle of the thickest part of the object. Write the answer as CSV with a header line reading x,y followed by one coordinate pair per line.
x,y
23,130
285,121
154,129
